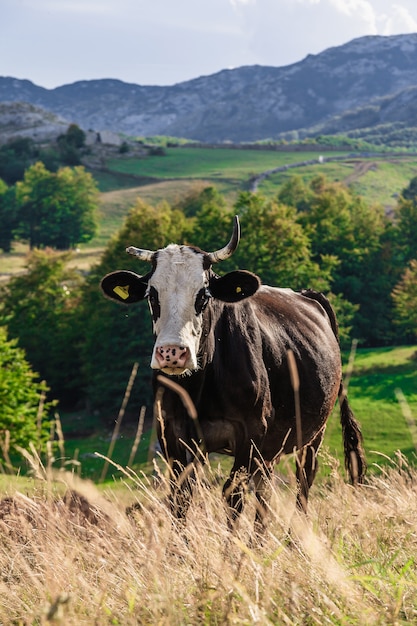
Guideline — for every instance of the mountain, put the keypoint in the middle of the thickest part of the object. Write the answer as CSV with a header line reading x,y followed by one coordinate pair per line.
x,y
21,119
243,104
398,109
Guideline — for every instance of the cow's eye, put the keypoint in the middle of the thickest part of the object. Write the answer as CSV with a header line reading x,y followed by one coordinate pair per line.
x,y
201,300
154,303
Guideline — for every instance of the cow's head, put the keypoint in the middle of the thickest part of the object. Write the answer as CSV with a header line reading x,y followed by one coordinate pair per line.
x,y
178,288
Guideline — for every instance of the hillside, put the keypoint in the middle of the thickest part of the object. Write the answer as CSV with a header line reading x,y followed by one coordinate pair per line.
x,y
398,110
243,104
21,119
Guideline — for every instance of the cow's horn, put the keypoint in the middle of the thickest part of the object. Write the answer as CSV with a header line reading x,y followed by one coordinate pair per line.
x,y
144,255
227,251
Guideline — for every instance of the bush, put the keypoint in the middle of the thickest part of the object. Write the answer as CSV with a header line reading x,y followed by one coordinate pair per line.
x,y
21,395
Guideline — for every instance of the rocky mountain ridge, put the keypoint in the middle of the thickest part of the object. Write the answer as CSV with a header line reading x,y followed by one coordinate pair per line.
x,y
243,104
20,120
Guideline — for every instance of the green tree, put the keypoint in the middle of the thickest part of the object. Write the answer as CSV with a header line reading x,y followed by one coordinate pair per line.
x,y
273,245
40,309
405,225
198,198
15,157
410,192
405,300
8,216
70,144
277,248
296,193
20,398
340,224
57,210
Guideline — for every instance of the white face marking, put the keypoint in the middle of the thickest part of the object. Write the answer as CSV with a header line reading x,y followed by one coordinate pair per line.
x,y
178,278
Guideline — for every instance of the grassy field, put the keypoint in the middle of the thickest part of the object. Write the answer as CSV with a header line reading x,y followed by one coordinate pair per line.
x,y
70,555
383,394
215,164
378,180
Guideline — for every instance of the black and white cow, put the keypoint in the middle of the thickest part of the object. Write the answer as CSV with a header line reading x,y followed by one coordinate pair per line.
x,y
261,364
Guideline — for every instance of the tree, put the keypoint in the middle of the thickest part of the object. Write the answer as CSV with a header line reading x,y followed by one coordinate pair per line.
x,y
200,197
8,216
275,246
15,157
296,193
57,210
20,397
340,224
405,300
410,192
70,144
40,310
406,224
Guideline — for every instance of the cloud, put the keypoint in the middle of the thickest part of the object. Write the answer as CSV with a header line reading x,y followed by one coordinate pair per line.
x,y
281,32
71,7
236,3
399,20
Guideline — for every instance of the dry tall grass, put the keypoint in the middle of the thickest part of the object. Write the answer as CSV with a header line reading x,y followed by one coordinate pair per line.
x,y
78,561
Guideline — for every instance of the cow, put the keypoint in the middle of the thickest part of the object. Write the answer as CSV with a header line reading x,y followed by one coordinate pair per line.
x,y
261,364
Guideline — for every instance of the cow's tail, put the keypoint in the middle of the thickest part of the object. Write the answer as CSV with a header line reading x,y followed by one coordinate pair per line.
x,y
355,461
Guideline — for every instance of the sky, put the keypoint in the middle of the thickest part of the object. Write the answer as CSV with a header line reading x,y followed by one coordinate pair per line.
x,y
163,42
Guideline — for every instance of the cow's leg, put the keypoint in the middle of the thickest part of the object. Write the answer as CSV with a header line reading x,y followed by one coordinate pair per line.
x,y
181,475
181,488
180,456
263,489
234,491
306,471
248,464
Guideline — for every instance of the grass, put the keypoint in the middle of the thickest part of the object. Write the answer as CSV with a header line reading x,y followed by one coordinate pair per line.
x,y
214,164
115,205
379,377
80,560
378,180
383,183
70,555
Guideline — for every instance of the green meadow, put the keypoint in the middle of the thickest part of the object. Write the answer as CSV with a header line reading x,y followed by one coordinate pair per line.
x,y
382,392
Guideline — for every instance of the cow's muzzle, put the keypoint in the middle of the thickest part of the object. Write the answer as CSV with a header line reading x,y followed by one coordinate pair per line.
x,y
172,358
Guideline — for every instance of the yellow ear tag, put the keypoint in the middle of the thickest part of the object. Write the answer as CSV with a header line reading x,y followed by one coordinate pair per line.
x,y
122,292
238,289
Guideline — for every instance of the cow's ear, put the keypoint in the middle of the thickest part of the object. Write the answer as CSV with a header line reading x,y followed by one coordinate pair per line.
x,y
124,286
234,286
